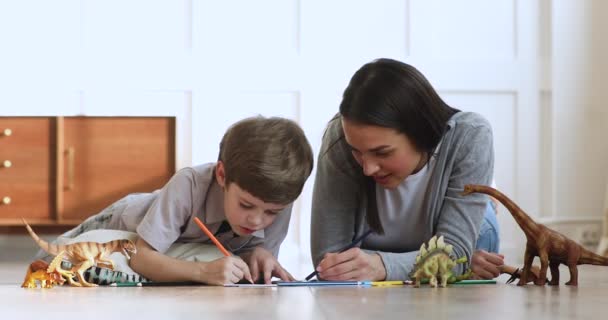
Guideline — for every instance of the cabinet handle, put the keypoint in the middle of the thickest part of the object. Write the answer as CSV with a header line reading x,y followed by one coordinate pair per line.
x,y
6,200
7,163
7,132
71,154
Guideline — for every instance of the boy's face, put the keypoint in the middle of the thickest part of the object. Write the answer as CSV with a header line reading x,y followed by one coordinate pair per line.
x,y
244,212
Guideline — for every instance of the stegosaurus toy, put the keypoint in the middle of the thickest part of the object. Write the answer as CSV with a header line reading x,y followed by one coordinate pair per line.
x,y
435,264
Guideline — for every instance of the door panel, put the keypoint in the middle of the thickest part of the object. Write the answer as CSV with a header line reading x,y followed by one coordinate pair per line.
x,y
107,158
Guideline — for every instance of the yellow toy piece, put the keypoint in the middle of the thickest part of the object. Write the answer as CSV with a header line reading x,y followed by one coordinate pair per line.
x,y
45,273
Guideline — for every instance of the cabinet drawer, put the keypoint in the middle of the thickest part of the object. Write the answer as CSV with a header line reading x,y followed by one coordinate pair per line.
x,y
29,180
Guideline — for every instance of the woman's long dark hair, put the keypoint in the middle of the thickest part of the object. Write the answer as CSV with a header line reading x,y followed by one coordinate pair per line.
x,y
393,94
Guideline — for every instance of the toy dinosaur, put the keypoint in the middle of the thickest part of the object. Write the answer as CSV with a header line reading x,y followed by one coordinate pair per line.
x,y
105,276
83,255
435,264
47,274
552,247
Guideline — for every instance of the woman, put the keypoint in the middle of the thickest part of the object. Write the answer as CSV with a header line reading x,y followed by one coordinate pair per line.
x,y
395,160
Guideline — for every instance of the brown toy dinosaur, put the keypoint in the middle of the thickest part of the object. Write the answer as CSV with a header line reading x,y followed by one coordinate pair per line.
x,y
47,274
84,255
552,247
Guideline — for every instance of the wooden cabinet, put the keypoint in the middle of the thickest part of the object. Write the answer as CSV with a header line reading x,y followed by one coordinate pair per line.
x,y
61,170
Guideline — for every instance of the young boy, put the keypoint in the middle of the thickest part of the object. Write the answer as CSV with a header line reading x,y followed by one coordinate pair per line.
x,y
245,199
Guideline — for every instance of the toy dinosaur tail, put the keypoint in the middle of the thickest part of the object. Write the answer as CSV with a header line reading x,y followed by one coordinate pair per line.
x,y
588,257
48,247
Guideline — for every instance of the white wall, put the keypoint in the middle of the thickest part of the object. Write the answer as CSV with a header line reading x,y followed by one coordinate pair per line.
x,y
578,117
535,69
580,113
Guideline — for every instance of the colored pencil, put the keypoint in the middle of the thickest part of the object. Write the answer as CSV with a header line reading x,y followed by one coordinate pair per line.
x,y
389,283
350,246
476,282
249,285
212,237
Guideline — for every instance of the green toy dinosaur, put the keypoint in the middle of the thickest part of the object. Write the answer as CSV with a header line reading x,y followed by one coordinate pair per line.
x,y
435,264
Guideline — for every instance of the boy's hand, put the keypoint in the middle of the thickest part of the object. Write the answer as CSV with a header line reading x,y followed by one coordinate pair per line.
x,y
486,265
261,261
352,264
225,270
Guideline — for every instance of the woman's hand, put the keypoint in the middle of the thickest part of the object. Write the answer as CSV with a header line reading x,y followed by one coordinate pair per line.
x,y
352,264
224,270
261,261
486,265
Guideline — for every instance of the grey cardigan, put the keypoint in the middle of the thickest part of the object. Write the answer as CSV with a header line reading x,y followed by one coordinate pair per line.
x,y
466,156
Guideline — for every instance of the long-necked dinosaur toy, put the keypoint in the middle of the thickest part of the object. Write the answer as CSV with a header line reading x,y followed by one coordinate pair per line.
x,y
83,255
552,247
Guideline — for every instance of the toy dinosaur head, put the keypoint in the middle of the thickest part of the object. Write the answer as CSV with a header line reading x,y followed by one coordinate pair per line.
x,y
54,275
128,248
468,189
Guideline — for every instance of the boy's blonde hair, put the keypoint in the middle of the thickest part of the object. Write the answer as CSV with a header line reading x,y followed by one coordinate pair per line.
x,y
268,157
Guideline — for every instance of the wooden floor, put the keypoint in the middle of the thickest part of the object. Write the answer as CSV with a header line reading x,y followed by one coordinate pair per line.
x,y
500,301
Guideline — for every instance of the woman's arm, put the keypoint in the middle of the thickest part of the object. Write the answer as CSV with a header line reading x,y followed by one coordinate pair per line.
x,y
336,196
461,216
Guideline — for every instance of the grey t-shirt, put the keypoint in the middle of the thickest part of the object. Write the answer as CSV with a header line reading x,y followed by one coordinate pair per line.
x,y
339,208
165,216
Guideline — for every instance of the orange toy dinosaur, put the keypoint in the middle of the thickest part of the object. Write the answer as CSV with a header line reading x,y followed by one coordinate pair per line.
x,y
84,255
552,247
47,274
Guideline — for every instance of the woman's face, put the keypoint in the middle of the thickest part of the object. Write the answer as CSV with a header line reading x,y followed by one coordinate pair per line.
x,y
383,153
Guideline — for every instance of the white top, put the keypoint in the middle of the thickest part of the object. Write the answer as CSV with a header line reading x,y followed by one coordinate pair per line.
x,y
401,212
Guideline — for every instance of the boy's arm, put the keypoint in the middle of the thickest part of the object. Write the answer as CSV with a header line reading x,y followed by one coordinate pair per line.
x,y
172,209
159,267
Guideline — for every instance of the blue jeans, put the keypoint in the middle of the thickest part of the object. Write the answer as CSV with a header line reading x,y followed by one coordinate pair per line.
x,y
489,239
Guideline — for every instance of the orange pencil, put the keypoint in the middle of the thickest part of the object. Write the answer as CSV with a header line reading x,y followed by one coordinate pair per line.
x,y
212,237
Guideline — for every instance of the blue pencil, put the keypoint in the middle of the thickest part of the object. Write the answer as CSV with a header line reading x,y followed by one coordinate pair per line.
x,y
350,246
